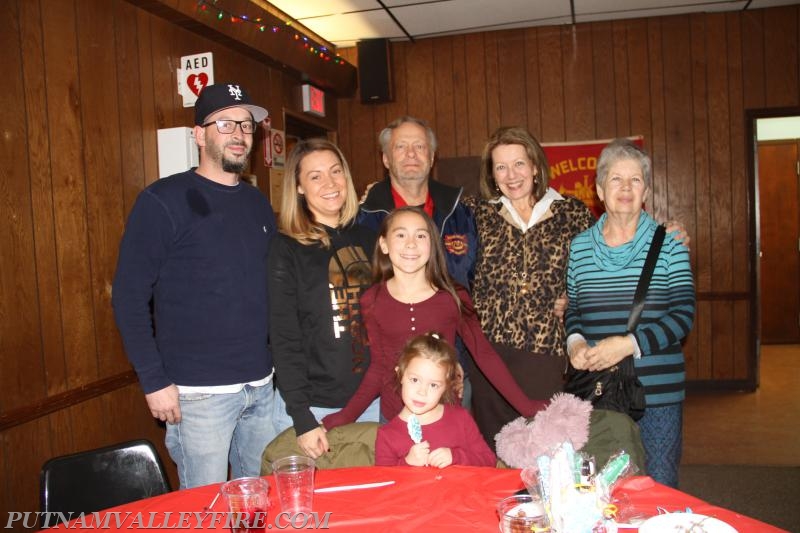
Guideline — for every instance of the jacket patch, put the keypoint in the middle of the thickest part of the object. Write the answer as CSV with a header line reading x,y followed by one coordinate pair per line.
x,y
456,244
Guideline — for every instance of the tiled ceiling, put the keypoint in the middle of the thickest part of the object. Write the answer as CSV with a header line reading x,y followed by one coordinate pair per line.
x,y
345,22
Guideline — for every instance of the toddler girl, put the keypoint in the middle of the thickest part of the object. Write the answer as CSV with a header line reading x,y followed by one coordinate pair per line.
x,y
430,430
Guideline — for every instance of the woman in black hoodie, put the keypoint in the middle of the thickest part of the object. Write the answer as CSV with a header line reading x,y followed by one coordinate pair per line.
x,y
318,267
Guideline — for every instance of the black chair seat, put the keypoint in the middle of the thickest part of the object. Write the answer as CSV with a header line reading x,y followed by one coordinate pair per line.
x,y
97,479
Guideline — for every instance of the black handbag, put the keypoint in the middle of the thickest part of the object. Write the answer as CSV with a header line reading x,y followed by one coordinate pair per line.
x,y
618,388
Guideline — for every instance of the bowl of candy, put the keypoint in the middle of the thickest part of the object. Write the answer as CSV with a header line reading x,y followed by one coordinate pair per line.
x,y
522,513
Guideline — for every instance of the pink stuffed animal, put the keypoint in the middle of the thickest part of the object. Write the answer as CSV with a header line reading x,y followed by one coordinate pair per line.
x,y
520,442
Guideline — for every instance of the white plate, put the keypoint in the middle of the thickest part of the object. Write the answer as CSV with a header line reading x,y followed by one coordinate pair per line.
x,y
674,521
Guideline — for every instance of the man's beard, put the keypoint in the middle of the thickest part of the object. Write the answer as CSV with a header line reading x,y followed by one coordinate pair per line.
x,y
416,175
236,167
230,165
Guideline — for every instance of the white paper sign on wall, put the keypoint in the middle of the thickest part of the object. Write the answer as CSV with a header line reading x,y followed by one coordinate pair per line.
x,y
196,72
275,149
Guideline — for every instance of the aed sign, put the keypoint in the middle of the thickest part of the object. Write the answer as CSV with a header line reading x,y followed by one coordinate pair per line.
x,y
313,101
195,73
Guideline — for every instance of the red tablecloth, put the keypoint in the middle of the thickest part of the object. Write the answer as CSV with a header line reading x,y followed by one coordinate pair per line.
x,y
456,498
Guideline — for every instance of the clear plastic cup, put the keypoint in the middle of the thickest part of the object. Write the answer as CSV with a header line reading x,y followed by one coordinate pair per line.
x,y
294,477
248,504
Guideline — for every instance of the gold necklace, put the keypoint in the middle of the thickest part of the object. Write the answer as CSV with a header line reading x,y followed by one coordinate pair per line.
x,y
519,278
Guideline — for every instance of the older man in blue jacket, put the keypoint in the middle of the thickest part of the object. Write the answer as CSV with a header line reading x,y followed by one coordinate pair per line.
x,y
408,145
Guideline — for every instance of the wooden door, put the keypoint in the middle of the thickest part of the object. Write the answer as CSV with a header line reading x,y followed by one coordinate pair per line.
x,y
780,242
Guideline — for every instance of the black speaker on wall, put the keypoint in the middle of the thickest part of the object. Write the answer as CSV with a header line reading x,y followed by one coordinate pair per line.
x,y
374,71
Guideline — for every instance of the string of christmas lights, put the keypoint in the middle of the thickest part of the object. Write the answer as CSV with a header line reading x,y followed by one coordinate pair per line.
x,y
312,47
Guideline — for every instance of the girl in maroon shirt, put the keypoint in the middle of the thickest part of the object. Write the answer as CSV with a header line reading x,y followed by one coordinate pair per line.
x,y
430,430
413,294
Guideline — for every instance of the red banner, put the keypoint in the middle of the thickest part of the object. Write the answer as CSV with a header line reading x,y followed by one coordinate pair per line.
x,y
573,167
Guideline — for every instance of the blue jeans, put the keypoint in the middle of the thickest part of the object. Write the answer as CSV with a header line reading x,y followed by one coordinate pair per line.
x,y
216,429
283,421
662,438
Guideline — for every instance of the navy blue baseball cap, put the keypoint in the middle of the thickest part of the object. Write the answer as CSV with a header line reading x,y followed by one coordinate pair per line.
x,y
221,96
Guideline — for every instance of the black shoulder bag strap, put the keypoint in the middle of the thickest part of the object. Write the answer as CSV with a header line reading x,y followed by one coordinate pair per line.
x,y
644,279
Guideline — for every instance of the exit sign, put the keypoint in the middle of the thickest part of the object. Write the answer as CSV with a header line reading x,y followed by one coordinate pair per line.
x,y
313,101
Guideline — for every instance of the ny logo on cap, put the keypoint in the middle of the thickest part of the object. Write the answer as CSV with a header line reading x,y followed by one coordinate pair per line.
x,y
235,91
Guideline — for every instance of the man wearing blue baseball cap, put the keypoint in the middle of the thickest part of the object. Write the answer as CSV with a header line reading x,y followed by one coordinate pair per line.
x,y
190,298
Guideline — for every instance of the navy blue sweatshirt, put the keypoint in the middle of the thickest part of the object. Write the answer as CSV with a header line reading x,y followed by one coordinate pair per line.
x,y
197,251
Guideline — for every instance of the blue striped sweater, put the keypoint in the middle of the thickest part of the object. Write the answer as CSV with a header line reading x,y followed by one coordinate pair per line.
x,y
601,282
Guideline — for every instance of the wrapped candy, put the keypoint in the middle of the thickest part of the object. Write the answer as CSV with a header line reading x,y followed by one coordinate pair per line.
x,y
414,429
618,467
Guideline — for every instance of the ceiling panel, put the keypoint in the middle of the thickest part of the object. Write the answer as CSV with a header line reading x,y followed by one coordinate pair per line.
x,y
300,9
476,15
345,22
352,27
612,6
616,9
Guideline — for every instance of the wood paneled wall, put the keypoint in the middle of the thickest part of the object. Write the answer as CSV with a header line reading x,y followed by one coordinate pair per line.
x,y
684,82
87,84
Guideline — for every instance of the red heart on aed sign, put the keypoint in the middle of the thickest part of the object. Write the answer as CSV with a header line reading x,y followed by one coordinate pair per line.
x,y
196,82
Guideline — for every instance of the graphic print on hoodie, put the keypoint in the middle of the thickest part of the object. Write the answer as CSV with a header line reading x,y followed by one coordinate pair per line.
x,y
349,274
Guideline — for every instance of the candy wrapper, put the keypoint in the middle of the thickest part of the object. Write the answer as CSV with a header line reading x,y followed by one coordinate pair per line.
x,y
618,467
414,429
575,498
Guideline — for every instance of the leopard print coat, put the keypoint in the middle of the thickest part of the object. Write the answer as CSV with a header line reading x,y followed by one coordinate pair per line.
x,y
519,275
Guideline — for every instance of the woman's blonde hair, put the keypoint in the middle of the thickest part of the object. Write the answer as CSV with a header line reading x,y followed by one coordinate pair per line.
x,y
434,348
295,219
514,135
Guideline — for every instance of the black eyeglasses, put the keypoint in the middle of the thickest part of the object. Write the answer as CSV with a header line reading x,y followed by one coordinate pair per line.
x,y
229,126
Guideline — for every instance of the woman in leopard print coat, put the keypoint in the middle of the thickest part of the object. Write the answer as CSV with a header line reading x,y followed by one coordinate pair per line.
x,y
524,229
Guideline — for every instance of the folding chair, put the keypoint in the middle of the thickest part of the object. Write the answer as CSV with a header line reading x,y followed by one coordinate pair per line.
x,y
98,479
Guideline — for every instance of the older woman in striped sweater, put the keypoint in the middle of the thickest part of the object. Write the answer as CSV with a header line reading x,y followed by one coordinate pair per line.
x,y
605,263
